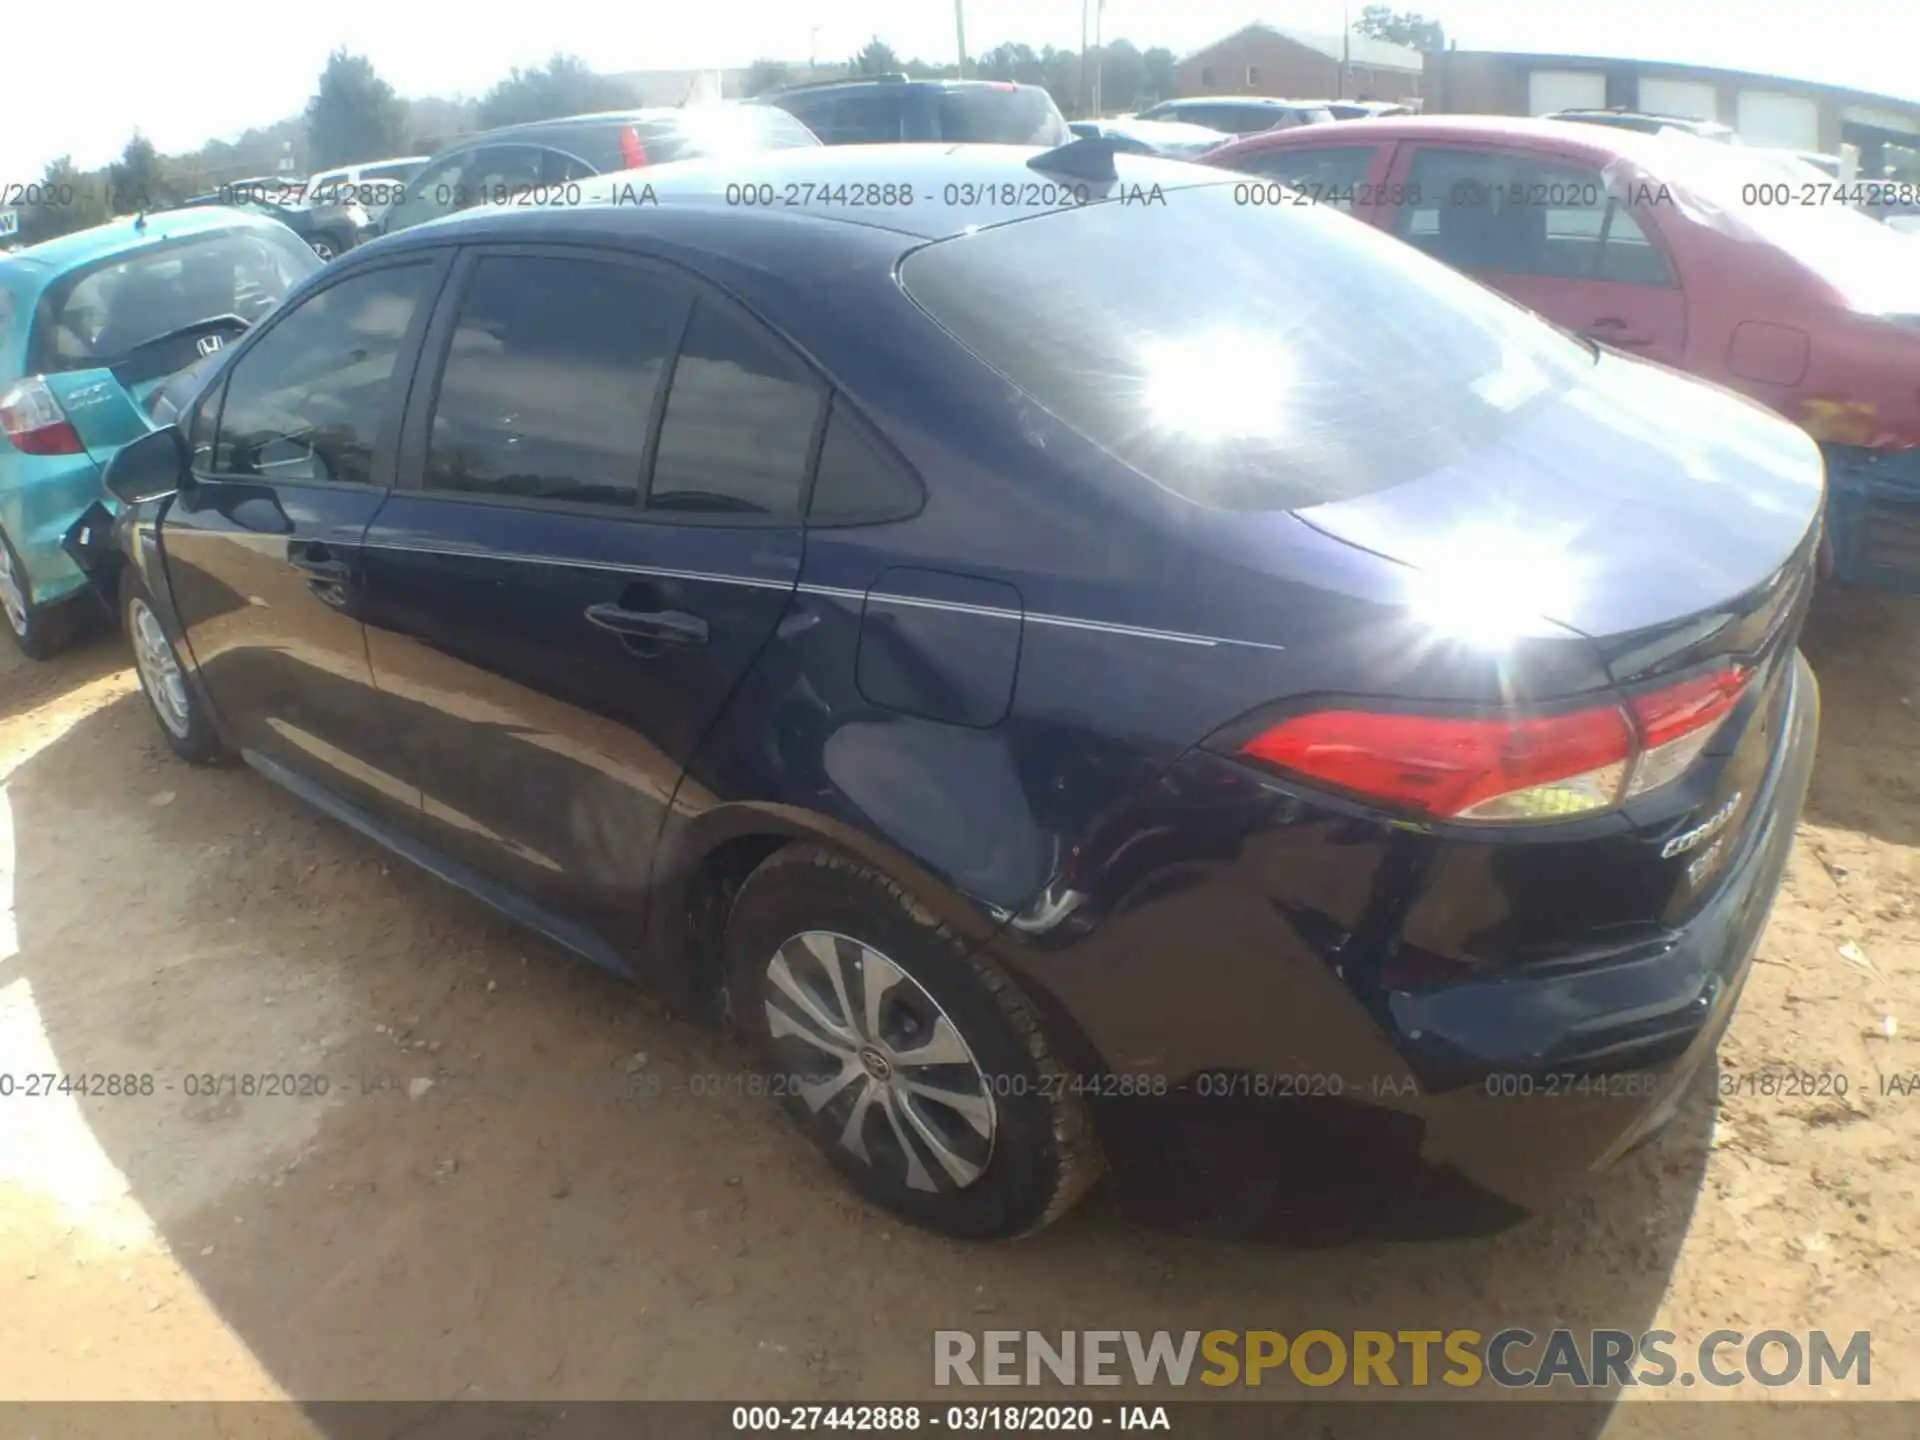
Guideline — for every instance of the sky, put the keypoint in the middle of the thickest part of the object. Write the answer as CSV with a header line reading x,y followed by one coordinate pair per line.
x,y
231,69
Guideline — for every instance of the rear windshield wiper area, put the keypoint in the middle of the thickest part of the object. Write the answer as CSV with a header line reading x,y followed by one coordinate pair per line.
x,y
213,322
135,358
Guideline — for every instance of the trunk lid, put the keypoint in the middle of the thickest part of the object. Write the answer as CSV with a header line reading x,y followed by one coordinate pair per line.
x,y
1643,510
1674,525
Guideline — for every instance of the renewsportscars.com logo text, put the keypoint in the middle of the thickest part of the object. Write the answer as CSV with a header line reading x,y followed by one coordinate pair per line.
x,y
1512,1358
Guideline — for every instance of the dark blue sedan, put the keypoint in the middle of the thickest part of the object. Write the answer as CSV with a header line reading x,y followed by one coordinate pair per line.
x,y
1080,673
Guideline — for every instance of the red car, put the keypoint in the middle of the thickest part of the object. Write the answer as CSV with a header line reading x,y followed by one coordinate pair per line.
x,y
1729,263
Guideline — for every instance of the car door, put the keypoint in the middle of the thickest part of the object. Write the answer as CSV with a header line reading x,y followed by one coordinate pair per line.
x,y
292,457
1551,233
597,528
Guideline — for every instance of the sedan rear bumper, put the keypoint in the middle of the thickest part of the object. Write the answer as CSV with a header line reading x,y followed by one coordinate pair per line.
x,y
1247,1090
1526,1133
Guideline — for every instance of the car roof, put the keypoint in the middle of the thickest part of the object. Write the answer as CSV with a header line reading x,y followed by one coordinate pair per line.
x,y
888,82
1599,142
375,164
822,178
1263,101
650,115
1170,131
43,263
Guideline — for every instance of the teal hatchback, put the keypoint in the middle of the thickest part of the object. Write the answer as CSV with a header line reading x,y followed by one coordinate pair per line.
x,y
91,326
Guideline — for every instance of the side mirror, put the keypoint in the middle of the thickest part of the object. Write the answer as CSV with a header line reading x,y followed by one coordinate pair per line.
x,y
150,468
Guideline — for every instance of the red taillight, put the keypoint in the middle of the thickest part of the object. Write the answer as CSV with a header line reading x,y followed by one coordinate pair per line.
x,y
1506,768
633,155
1676,724
34,423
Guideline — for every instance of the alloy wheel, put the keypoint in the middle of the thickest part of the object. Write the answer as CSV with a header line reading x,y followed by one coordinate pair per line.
x,y
13,593
875,1054
159,669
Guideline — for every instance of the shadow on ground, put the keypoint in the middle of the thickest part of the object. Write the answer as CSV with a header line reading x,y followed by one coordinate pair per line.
x,y
406,1150
1865,648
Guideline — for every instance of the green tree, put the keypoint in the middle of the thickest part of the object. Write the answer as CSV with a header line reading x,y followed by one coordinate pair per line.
x,y
1402,27
1160,77
876,57
136,181
565,85
73,199
354,115
1013,62
765,75
1060,73
1123,77
434,123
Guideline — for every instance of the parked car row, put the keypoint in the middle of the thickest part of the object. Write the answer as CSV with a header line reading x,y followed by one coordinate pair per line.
x,y
330,229
1171,138
1080,669
1706,257
94,325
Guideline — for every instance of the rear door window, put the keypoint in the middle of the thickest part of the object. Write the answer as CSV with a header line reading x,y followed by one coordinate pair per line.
x,y
1000,115
740,419
1245,357
502,171
550,380
1516,214
435,191
863,116
859,477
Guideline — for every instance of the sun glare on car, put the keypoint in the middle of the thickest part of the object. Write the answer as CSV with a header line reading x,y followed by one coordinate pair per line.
x,y
1488,582
1222,385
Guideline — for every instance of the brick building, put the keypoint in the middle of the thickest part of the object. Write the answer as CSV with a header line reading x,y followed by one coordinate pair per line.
x,y
1263,59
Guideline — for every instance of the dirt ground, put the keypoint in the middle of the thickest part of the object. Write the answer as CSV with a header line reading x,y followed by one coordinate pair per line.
x,y
518,1228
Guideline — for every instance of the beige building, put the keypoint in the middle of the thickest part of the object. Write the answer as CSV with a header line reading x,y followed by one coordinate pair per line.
x,y
1290,64
1764,109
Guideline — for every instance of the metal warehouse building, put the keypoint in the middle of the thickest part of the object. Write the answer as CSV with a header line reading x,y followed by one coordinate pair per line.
x,y
1883,132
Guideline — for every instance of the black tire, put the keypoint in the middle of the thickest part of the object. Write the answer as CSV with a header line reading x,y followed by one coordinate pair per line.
x,y
1040,1157
48,629
189,731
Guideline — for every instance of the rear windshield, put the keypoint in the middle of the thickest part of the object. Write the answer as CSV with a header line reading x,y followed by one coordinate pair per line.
x,y
992,115
723,130
1245,357
97,316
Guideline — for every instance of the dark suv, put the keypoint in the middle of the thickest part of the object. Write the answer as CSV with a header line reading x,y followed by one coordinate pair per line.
x,y
544,157
887,109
